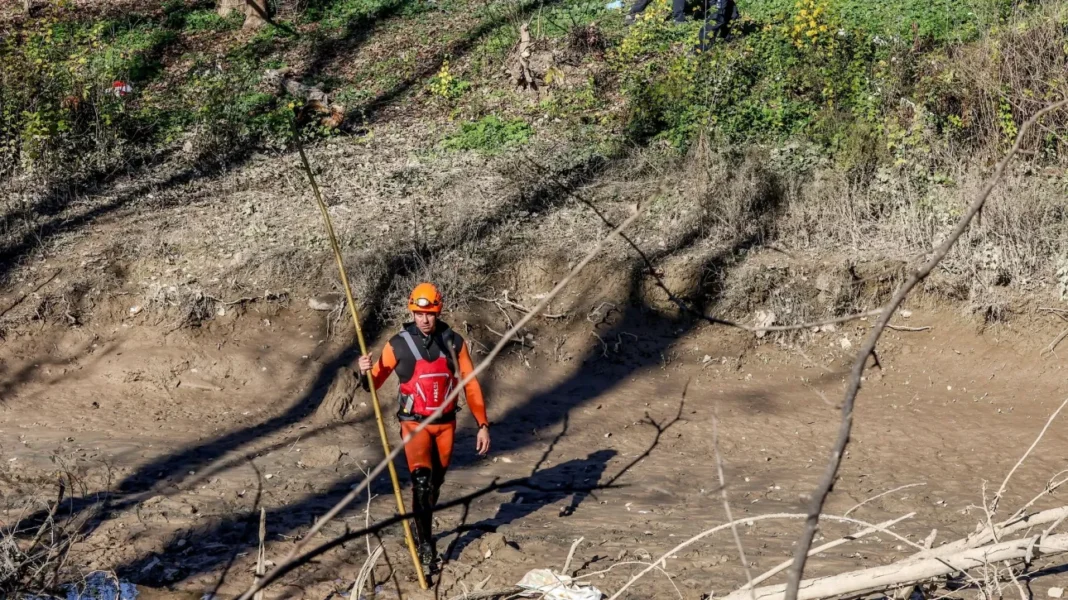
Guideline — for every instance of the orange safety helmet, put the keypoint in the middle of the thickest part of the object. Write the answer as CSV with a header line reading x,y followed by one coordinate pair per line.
x,y
425,298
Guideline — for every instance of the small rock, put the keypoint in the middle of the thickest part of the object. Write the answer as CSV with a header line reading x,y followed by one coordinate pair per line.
x,y
905,313
136,309
326,456
1055,592
845,343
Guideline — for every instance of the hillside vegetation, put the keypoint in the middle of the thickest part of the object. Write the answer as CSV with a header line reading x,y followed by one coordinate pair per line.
x,y
860,126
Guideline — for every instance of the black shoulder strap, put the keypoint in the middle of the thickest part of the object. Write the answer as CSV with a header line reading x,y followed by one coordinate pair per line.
x,y
412,346
449,342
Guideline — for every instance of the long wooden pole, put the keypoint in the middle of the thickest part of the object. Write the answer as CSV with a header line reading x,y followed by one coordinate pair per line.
x,y
363,351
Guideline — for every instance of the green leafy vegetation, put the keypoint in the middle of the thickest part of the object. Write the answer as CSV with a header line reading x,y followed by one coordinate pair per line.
x,y
867,85
489,134
888,84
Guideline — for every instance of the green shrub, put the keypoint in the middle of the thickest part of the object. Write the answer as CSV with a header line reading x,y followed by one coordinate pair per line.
x,y
489,134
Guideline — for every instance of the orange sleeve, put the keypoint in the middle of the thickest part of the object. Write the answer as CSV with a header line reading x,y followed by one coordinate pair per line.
x,y
472,390
384,367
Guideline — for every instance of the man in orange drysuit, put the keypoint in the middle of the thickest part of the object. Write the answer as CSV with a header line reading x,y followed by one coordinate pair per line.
x,y
430,359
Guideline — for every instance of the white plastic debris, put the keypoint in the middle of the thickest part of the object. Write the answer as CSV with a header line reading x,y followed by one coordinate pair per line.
x,y
97,586
764,318
554,586
1055,592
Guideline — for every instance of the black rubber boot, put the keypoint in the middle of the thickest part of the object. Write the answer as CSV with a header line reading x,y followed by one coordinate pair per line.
x,y
423,505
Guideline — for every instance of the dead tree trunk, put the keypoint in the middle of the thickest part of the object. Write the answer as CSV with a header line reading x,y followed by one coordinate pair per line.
x,y
226,7
255,14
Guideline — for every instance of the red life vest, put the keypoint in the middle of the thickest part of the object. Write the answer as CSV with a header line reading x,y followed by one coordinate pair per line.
x,y
430,384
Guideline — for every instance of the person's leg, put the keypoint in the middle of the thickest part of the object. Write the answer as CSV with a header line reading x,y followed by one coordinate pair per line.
x,y
678,11
440,453
420,464
639,6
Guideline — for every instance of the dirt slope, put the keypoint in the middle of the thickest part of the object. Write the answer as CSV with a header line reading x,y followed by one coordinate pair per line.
x,y
197,429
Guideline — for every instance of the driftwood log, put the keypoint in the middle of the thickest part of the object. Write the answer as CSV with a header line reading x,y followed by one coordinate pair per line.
x,y
318,101
912,571
973,551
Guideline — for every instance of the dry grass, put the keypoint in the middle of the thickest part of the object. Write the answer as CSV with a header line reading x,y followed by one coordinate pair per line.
x,y
35,556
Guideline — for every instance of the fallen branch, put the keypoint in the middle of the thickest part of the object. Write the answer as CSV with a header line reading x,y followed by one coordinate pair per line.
x,y
27,294
906,592
903,328
1004,529
747,521
507,301
912,571
509,591
823,488
1057,342
825,547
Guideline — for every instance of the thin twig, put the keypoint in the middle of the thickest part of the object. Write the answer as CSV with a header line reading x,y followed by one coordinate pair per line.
x,y
571,556
27,294
823,488
906,592
1001,490
886,493
1023,594
903,328
261,555
1051,486
726,504
1053,345
299,547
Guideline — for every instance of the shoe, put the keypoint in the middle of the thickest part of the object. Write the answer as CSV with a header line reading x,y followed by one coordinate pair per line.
x,y
428,555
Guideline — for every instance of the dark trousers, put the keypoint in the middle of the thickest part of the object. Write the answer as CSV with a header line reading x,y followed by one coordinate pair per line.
x,y
718,22
678,9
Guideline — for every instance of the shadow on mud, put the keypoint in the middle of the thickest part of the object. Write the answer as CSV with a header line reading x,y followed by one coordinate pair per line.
x,y
200,551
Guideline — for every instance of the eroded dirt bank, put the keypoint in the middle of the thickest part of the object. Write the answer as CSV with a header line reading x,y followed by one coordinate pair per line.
x,y
179,436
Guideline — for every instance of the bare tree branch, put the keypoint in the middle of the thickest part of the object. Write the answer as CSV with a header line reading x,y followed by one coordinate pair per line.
x,y
726,503
1004,484
823,488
